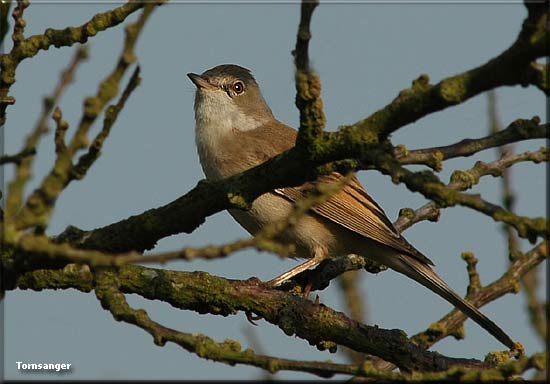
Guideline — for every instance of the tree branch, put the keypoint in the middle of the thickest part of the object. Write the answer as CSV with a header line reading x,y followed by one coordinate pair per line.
x,y
60,130
40,204
19,23
68,36
318,324
228,352
18,157
324,273
507,283
512,67
4,22
349,284
432,188
308,84
51,253
142,231
87,160
110,285
517,131
530,280
209,197
23,171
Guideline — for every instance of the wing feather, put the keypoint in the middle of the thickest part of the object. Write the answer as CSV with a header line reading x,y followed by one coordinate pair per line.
x,y
354,209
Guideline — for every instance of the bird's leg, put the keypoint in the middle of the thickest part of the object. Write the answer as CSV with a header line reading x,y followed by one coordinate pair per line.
x,y
311,279
307,288
318,256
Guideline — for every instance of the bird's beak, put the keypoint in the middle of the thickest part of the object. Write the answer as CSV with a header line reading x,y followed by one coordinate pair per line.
x,y
200,82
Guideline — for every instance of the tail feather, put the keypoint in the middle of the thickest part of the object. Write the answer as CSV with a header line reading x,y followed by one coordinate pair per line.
x,y
428,278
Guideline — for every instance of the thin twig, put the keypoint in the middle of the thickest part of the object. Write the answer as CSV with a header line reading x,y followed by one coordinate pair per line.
x,y
4,22
432,188
87,160
301,51
18,157
322,276
348,283
530,280
263,240
518,130
61,128
39,206
507,283
23,171
63,37
508,199
19,23
474,281
257,345
308,83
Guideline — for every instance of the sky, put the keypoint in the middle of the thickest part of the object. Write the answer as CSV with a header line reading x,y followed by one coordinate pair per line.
x,y
365,54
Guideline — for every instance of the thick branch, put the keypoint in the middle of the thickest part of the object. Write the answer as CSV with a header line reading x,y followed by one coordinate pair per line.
x,y
110,284
318,324
141,232
228,352
186,213
512,67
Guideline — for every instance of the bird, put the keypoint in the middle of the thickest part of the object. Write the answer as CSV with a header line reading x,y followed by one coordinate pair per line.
x,y
235,130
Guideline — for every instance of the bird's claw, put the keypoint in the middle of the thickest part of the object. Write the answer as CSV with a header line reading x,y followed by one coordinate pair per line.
x,y
252,318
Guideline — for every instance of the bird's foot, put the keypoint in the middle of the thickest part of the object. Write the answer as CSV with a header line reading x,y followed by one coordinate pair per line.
x,y
252,318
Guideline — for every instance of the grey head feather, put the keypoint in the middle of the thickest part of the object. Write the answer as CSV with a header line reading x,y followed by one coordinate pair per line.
x,y
251,102
224,73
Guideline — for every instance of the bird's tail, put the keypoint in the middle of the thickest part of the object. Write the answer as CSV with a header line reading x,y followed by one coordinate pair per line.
x,y
428,278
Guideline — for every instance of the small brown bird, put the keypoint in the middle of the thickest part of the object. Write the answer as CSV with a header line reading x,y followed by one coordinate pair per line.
x,y
236,130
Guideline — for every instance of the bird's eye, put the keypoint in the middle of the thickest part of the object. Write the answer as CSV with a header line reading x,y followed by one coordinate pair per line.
x,y
238,87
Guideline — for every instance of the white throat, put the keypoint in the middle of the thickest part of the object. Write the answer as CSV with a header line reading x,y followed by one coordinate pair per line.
x,y
216,116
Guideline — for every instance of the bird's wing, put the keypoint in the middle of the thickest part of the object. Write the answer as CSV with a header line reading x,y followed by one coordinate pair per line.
x,y
354,209
351,207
